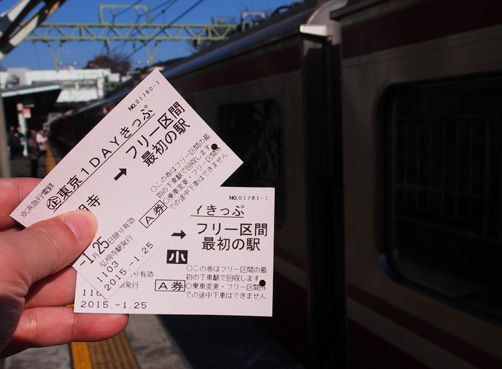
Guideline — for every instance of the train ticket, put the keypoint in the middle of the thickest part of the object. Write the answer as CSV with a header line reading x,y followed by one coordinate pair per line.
x,y
140,170
218,262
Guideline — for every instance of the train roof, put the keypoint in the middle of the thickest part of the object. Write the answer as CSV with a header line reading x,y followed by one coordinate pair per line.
x,y
272,28
354,6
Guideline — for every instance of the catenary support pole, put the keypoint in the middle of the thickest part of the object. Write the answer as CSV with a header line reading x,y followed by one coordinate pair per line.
x,y
4,152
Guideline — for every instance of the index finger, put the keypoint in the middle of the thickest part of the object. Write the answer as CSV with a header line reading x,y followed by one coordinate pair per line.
x,y
12,192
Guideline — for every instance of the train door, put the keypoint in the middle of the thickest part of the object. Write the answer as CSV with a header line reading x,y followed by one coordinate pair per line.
x,y
324,191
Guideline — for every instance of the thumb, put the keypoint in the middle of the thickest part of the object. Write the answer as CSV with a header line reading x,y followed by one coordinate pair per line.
x,y
50,245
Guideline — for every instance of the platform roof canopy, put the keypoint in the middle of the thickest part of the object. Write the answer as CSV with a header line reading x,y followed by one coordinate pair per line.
x,y
40,99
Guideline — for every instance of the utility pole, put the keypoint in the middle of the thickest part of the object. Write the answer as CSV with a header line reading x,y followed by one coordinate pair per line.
x,y
4,152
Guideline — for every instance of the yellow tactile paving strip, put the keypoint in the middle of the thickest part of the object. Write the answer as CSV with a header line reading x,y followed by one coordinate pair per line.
x,y
80,356
113,353
50,161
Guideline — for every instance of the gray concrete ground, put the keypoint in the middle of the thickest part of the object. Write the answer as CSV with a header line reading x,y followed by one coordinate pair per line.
x,y
151,344
20,167
55,357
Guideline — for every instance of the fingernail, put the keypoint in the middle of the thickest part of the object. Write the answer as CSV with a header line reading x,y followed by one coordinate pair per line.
x,y
82,223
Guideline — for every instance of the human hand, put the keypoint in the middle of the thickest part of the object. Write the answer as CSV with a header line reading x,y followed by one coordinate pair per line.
x,y
36,280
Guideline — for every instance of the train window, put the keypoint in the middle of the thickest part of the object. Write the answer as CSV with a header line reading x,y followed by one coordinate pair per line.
x,y
254,131
443,189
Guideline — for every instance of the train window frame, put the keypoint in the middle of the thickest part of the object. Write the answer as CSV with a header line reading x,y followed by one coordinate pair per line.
x,y
279,185
436,283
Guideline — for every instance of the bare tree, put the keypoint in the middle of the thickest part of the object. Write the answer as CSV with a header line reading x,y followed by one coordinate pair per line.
x,y
115,62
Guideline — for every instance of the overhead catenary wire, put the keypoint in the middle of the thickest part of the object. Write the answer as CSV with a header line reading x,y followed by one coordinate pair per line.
x,y
165,6
114,17
137,2
162,29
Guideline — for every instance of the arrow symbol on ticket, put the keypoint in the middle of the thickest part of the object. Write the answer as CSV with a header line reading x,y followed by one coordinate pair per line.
x,y
122,172
180,234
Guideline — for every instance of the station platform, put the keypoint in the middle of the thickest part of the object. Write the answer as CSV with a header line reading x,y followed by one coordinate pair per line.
x,y
162,341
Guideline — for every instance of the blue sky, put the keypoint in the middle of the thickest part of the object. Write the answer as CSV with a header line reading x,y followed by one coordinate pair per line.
x,y
37,55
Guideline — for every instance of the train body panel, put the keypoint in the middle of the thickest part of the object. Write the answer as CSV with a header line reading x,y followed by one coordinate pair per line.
x,y
431,328
290,241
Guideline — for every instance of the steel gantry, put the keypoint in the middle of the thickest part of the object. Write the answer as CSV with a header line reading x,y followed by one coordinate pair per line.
x,y
143,33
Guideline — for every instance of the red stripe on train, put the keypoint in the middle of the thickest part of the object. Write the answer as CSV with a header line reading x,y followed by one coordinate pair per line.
x,y
422,22
367,350
270,64
291,258
427,331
